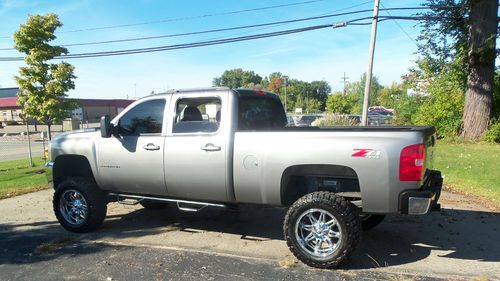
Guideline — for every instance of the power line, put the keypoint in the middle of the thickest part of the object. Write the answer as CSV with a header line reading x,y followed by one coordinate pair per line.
x,y
233,28
187,18
222,41
400,27
184,46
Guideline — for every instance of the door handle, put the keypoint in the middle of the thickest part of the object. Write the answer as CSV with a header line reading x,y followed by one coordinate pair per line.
x,y
151,146
210,147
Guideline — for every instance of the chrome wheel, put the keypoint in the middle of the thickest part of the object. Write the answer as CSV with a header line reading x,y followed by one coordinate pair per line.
x,y
73,207
318,233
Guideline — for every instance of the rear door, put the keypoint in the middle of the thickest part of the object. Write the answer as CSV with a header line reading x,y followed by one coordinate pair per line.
x,y
196,148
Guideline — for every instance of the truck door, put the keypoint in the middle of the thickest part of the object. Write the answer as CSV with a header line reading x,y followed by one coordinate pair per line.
x,y
196,149
131,160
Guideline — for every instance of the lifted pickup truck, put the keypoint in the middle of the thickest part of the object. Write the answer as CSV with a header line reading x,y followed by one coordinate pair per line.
x,y
220,147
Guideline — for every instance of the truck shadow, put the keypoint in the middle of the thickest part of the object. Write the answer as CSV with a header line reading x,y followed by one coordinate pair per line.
x,y
459,234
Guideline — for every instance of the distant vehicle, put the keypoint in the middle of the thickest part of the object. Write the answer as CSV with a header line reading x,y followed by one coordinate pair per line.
x,y
290,121
380,110
307,119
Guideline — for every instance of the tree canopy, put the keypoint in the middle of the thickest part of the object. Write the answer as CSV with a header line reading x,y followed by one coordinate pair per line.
x,y
43,85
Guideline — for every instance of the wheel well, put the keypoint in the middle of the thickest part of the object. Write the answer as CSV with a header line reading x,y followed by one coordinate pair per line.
x,y
66,166
300,180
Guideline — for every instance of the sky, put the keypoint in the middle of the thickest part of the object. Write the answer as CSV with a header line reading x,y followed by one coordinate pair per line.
x,y
323,54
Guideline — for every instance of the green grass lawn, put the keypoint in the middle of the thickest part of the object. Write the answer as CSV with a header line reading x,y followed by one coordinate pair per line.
x,y
17,177
472,168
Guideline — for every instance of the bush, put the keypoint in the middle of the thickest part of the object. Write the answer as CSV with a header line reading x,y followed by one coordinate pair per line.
x,y
334,120
493,134
444,106
337,103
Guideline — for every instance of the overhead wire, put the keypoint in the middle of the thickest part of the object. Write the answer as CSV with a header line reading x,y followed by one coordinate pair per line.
x,y
224,41
232,28
179,46
400,27
186,18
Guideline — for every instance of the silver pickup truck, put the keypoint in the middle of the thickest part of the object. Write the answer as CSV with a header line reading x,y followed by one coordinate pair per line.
x,y
220,147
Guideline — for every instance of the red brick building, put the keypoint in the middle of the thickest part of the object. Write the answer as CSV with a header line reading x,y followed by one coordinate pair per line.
x,y
89,110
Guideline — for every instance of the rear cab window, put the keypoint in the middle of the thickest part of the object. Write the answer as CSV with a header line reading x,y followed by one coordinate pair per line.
x,y
260,112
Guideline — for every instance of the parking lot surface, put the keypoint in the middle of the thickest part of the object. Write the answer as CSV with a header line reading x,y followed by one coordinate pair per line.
x,y
459,243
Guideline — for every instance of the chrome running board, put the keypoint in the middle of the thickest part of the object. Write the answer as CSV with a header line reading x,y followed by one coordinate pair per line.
x,y
120,199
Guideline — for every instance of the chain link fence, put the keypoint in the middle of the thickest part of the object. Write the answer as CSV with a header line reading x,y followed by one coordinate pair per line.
x,y
17,144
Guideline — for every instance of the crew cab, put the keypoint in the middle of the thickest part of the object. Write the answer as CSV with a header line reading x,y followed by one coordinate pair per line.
x,y
221,147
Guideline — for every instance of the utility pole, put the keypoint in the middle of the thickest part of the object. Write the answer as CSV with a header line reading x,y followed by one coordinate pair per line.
x,y
368,85
344,79
286,80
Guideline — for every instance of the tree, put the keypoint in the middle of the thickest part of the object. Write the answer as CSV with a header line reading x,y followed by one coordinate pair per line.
x,y
390,96
43,85
320,91
237,78
466,39
481,58
275,83
443,106
340,104
358,89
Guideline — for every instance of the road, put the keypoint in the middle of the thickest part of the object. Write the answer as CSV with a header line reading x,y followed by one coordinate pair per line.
x,y
14,150
459,243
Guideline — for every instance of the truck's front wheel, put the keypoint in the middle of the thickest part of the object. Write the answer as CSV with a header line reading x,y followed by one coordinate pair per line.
x,y
79,205
322,229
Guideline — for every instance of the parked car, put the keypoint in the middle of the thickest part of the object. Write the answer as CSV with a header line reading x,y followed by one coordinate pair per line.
x,y
290,122
334,182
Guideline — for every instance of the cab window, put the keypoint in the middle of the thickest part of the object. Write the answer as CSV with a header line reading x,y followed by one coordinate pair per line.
x,y
197,115
144,118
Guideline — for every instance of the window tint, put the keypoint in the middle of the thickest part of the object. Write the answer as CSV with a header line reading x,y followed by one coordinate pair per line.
x,y
197,115
144,118
260,113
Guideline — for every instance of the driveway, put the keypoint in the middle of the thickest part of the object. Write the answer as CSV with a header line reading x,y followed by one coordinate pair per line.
x,y
459,243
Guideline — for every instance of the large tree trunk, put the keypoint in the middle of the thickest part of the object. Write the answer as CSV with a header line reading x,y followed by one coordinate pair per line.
x,y
482,44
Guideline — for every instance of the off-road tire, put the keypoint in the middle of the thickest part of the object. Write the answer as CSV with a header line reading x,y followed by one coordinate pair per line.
x,y
153,205
371,221
96,204
348,220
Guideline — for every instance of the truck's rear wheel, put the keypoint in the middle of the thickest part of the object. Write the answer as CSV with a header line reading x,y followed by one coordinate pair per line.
x,y
79,205
369,221
322,229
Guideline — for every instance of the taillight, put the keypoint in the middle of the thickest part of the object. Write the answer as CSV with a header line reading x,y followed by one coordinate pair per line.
x,y
411,162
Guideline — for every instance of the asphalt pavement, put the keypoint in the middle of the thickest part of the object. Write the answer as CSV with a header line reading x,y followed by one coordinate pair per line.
x,y
459,243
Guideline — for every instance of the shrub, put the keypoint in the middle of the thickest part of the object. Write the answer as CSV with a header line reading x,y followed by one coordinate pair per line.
x,y
334,120
493,134
337,103
444,106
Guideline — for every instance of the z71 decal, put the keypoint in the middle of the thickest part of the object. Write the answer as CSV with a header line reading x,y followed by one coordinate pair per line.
x,y
366,153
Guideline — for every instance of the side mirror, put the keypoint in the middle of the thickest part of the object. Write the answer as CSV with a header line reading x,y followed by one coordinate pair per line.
x,y
106,126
